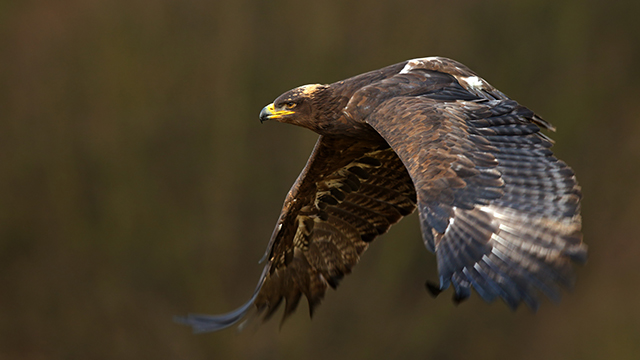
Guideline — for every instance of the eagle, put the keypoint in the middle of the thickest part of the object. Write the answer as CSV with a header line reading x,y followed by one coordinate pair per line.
x,y
500,212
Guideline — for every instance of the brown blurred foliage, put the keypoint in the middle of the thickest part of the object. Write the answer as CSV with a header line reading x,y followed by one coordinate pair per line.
x,y
137,183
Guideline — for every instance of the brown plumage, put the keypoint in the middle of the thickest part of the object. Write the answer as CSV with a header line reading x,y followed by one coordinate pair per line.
x,y
501,213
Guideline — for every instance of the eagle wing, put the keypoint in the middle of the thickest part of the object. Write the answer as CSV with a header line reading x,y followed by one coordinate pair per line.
x,y
348,193
498,209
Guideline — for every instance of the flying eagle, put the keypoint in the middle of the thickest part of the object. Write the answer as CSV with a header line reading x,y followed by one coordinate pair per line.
x,y
500,212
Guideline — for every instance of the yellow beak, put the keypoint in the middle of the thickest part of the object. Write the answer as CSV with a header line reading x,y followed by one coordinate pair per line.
x,y
269,113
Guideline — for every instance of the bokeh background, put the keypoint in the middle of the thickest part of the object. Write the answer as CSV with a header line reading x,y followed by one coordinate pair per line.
x,y
137,183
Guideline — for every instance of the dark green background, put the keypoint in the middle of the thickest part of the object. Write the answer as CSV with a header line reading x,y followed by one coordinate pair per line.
x,y
137,183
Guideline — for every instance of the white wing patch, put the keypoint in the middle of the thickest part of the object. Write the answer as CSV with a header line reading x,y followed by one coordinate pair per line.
x,y
473,82
418,63
451,219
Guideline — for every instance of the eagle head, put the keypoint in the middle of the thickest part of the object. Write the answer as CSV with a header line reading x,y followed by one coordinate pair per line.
x,y
297,106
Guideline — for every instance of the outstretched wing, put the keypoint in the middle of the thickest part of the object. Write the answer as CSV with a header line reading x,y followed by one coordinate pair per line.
x,y
348,193
498,209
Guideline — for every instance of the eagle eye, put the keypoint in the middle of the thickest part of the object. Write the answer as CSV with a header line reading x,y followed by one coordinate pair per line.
x,y
290,104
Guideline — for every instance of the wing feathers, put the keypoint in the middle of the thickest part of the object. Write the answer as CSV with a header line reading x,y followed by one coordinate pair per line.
x,y
500,212
352,203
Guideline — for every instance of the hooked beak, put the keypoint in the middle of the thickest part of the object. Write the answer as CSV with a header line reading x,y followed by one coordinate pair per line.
x,y
270,113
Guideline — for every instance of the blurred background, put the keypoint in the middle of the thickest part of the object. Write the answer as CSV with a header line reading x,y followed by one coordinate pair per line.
x,y
137,183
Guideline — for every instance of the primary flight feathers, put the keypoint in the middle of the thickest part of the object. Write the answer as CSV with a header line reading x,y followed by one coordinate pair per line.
x,y
500,212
